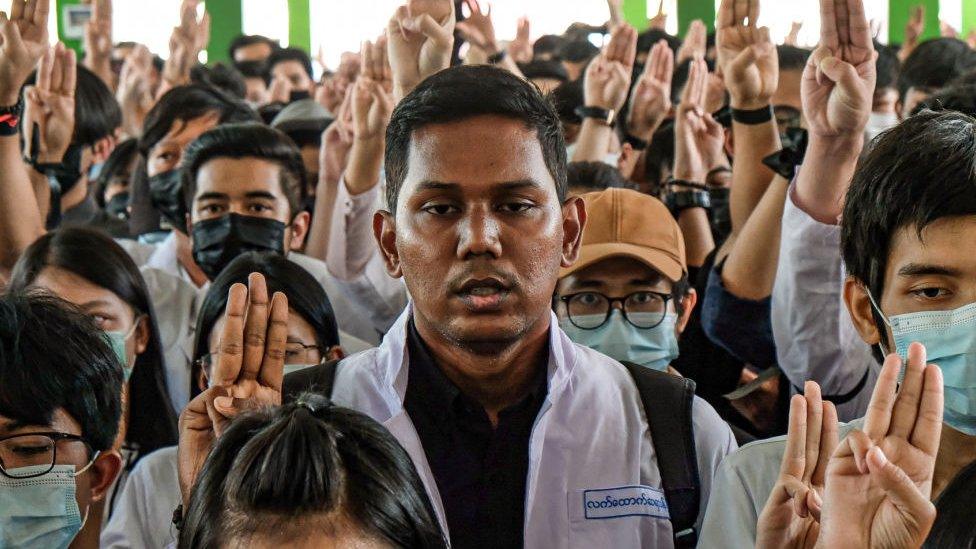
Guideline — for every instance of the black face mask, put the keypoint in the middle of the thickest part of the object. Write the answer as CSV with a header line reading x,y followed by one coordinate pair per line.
x,y
721,217
298,95
118,206
166,194
68,173
216,242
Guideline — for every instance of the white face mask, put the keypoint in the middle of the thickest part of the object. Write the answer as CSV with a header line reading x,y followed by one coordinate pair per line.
x,y
879,122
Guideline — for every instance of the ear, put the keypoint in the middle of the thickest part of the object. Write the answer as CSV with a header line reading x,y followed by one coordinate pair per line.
x,y
299,230
103,472
142,334
574,219
729,143
859,307
335,353
102,149
688,303
384,231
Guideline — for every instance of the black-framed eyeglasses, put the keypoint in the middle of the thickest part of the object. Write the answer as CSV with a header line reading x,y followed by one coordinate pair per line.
x,y
590,310
38,451
296,352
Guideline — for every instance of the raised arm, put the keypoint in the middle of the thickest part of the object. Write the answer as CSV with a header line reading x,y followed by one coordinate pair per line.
x,y
98,42
23,41
420,44
605,87
479,30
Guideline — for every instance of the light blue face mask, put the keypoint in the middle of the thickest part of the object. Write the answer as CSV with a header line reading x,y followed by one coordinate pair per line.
x,y
620,340
117,341
40,512
950,342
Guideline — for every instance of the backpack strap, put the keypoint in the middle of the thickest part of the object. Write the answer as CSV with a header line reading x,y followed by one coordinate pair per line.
x,y
668,401
318,379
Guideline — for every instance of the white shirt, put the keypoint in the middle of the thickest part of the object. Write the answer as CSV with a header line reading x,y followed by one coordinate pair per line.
x,y
741,489
590,442
815,337
143,516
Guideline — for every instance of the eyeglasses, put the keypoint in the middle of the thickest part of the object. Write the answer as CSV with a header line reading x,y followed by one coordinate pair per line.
x,y
39,451
590,310
296,352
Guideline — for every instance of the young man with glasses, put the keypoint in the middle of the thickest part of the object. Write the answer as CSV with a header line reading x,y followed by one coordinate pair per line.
x,y
60,406
628,295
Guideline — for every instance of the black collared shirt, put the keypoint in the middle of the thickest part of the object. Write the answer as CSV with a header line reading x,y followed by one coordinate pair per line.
x,y
480,471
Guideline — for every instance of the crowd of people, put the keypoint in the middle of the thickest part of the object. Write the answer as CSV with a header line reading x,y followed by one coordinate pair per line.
x,y
470,292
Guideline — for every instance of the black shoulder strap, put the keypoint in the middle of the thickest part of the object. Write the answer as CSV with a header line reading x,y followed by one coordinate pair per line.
x,y
318,379
668,401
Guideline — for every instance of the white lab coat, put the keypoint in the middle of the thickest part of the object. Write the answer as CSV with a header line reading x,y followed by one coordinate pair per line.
x,y
143,515
590,442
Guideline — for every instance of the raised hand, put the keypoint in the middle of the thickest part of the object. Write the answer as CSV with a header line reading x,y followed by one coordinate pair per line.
x,y
50,106
421,39
372,107
98,41
698,137
478,28
791,516
605,84
134,92
375,63
913,31
879,481
280,90
650,102
838,81
520,49
793,38
185,43
23,41
622,47
695,42
247,374
746,55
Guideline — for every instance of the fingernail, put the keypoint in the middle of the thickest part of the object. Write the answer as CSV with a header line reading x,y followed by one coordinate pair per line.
x,y
879,455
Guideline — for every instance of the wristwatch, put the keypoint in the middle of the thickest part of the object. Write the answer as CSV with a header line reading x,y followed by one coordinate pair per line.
x,y
683,200
606,116
10,117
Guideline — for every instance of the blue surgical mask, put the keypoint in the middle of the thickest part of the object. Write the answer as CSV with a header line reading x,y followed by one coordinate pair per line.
x,y
117,341
949,338
620,340
40,512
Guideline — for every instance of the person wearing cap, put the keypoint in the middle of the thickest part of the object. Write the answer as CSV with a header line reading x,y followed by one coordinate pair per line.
x,y
627,295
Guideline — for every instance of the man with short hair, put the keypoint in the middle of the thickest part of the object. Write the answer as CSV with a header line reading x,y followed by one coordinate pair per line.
x,y
60,406
292,67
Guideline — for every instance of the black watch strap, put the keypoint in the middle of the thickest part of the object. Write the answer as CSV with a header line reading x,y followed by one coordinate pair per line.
x,y
636,142
682,200
10,117
754,117
604,115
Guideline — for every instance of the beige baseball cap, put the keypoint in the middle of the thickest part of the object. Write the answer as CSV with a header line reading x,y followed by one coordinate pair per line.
x,y
623,222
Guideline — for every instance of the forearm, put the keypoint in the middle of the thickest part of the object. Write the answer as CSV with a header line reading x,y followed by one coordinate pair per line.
x,y
42,191
365,160
317,245
750,178
102,67
750,269
825,176
20,222
351,243
697,233
593,141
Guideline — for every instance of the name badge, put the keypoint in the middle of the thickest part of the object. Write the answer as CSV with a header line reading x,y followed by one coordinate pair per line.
x,y
624,501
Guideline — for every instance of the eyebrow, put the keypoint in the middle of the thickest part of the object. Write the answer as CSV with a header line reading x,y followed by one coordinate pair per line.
x,y
212,196
260,194
506,186
94,303
923,269
13,425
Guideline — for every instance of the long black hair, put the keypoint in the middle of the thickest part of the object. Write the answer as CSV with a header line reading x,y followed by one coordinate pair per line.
x,y
282,472
95,257
305,296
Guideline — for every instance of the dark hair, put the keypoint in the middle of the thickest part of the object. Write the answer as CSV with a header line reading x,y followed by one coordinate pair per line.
x,y
916,173
283,471
578,51
567,97
460,93
933,64
254,69
249,140
887,66
647,39
792,58
952,98
244,40
97,113
660,158
548,45
290,54
954,526
593,176
220,76
181,104
305,297
552,68
680,290
52,356
681,74
95,257
117,162
966,79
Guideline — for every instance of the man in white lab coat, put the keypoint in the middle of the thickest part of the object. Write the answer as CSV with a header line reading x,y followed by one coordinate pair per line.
x,y
521,437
